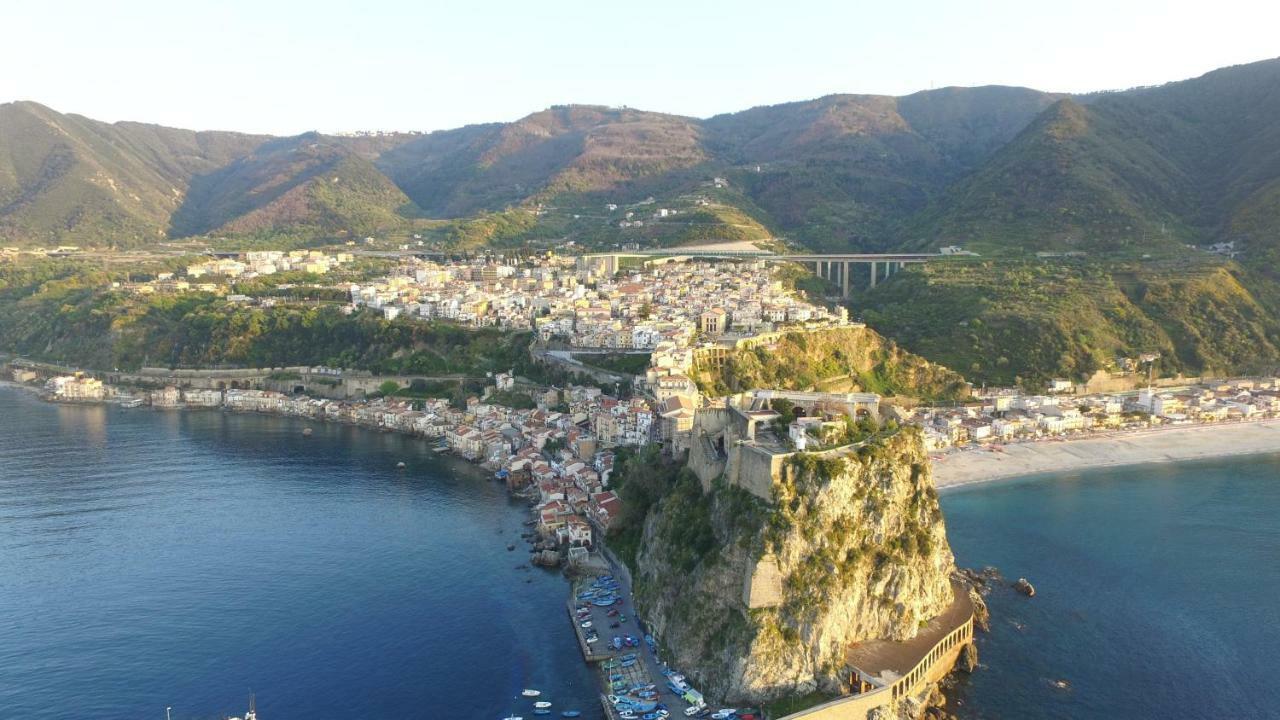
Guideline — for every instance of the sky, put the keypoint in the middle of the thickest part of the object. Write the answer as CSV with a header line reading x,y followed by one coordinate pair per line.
x,y
285,67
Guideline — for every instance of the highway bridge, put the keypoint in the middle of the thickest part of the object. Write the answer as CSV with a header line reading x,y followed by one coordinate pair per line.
x,y
836,268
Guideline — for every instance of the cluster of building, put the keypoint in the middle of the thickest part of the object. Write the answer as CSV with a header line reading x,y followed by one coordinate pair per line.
x,y
212,276
269,262
1008,415
594,303
69,388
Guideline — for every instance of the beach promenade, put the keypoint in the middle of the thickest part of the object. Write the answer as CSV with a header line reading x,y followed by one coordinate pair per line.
x,y
1170,444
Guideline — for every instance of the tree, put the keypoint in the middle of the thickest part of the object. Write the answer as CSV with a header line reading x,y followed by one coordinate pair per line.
x,y
390,387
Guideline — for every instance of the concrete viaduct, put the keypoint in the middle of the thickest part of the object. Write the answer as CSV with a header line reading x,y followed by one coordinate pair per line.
x,y
836,268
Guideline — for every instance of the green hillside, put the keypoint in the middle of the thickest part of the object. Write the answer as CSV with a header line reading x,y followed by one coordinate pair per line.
x,y
65,179
1007,321
836,360
1144,170
301,184
67,312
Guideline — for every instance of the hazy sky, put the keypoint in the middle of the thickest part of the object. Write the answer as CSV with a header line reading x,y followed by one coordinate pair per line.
x,y
287,67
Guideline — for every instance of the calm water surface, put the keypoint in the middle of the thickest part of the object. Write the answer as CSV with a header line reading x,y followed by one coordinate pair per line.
x,y
1158,591
151,559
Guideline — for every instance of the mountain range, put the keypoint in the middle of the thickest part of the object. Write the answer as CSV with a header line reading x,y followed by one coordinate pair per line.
x,y
1141,170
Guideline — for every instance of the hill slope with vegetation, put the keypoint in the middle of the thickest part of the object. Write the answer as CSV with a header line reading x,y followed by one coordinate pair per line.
x,y
992,167
1023,322
836,360
63,312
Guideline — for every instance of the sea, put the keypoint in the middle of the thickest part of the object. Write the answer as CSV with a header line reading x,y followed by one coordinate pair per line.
x,y
185,559
1157,591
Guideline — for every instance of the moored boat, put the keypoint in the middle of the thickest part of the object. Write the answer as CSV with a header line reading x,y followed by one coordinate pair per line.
x,y
542,704
530,693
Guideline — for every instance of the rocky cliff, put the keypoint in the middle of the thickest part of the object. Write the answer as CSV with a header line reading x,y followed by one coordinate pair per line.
x,y
762,599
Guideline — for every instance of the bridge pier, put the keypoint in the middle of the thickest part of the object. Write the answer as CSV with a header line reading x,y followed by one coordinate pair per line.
x,y
844,282
873,273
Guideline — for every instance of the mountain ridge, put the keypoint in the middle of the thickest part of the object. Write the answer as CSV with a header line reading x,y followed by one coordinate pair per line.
x,y
1014,168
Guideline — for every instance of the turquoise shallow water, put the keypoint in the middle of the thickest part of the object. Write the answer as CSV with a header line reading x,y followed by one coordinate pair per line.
x,y
1157,591
151,559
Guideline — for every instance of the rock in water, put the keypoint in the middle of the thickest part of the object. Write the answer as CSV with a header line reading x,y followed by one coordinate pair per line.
x,y
981,615
968,658
1025,587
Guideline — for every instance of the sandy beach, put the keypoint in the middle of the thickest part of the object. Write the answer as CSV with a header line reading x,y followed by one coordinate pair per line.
x,y
963,467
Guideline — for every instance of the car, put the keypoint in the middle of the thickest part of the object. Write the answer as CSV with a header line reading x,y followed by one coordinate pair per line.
x,y
584,624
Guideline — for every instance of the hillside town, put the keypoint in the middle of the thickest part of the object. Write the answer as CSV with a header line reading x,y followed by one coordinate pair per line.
x,y
560,452
593,302
684,315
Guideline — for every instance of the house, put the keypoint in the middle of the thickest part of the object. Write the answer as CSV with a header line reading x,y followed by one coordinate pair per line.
x,y
466,441
575,532
712,322
202,398
605,506
169,397
79,387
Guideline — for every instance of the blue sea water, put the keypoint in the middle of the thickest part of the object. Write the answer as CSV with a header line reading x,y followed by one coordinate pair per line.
x,y
152,559
1158,591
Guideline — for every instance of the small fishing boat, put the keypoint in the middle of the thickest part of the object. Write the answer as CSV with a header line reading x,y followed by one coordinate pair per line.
x,y
513,717
530,693
542,704
542,711
570,713
400,465
306,432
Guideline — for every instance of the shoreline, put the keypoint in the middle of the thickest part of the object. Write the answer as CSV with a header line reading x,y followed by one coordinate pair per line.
x,y
965,468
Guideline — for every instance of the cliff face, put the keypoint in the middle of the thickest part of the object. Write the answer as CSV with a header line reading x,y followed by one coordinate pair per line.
x,y
759,600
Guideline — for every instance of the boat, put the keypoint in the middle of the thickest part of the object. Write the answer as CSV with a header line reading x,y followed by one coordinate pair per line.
x,y
400,465
306,432
570,713
251,715
513,717
542,711
542,704
530,693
